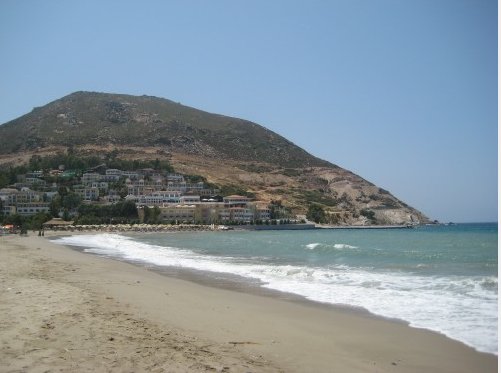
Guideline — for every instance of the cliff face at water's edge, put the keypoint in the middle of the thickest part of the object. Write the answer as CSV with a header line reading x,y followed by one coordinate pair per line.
x,y
226,151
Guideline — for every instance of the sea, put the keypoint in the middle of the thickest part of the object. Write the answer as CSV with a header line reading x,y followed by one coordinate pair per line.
x,y
440,278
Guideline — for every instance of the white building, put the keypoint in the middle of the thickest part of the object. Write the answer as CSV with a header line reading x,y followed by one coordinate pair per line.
x,y
236,201
132,175
8,210
114,172
175,178
101,185
237,214
189,200
90,177
176,213
263,213
26,209
159,198
88,193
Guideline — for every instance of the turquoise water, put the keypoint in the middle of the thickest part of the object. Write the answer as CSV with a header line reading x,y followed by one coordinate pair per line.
x,y
442,278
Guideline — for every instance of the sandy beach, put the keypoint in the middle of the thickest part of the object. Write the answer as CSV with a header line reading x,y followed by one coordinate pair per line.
x,y
63,310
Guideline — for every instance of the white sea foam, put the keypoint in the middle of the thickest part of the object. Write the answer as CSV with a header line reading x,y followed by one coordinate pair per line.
x,y
312,246
337,246
341,246
463,308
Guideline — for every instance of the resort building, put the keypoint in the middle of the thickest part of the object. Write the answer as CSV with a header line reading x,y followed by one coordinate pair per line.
x,y
190,209
90,177
174,213
32,208
236,201
237,215
131,175
88,193
12,196
158,198
8,195
8,210
111,198
101,185
263,213
23,202
113,172
175,178
188,199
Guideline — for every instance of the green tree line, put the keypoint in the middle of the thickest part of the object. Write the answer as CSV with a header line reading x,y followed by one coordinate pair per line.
x,y
123,212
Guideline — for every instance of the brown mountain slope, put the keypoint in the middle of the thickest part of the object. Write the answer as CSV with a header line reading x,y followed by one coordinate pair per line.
x,y
227,151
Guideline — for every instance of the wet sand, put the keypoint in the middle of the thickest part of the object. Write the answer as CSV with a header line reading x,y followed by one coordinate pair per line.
x,y
63,310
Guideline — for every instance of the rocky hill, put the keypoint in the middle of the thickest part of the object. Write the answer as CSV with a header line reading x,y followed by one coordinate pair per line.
x,y
227,151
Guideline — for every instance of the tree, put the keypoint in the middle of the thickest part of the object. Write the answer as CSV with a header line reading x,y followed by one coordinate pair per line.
x,y
35,163
24,228
151,216
120,187
62,191
156,214
146,214
37,220
4,179
14,219
128,209
55,206
71,201
66,215
369,214
316,213
278,211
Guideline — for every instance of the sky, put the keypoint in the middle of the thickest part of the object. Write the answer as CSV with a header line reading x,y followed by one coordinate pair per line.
x,y
403,93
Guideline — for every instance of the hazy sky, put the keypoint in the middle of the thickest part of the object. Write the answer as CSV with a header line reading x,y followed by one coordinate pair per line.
x,y
403,93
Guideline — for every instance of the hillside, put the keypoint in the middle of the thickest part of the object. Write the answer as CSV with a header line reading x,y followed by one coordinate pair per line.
x,y
227,151
84,118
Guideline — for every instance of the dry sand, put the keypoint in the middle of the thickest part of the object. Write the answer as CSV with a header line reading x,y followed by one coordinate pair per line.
x,y
63,310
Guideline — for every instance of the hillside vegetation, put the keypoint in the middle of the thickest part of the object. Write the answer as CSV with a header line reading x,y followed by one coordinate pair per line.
x,y
84,118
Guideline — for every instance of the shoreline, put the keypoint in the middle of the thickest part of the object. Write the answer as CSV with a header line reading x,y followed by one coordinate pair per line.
x,y
366,226
144,228
267,333
235,282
